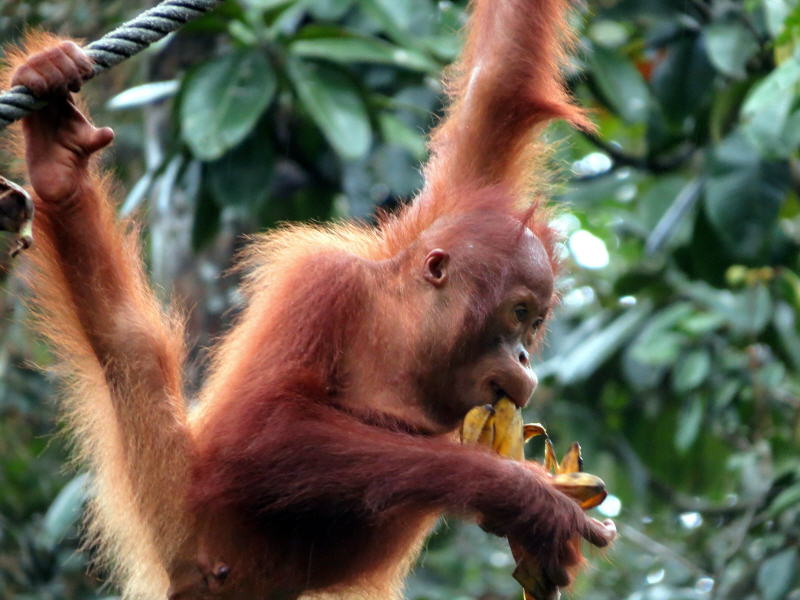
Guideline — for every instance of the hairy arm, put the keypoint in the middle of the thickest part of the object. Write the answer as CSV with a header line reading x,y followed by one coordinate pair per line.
x,y
506,83
312,455
119,354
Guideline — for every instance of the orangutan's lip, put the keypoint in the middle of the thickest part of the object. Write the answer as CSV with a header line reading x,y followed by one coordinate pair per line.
x,y
500,393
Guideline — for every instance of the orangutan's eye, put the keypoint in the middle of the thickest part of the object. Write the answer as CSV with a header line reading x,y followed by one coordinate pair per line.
x,y
521,313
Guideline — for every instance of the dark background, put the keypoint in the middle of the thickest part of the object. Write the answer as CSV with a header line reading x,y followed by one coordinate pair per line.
x,y
675,355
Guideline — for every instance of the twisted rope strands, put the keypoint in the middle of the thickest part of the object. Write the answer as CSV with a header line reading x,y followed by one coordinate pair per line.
x,y
114,47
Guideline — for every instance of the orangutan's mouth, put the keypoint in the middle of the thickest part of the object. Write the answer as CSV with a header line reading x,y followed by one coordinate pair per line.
x,y
498,392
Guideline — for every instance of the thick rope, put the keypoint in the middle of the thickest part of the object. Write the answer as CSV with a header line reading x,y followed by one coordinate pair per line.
x,y
114,47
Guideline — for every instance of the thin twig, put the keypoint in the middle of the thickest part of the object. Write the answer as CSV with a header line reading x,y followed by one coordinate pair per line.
x,y
652,546
656,165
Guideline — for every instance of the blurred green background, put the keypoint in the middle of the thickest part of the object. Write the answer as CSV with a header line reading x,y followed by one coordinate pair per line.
x,y
675,354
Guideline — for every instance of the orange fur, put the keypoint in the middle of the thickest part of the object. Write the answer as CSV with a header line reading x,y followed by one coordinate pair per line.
x,y
120,354
119,358
504,87
122,390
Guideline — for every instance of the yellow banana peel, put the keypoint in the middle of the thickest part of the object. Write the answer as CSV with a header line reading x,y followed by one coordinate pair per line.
x,y
501,428
476,427
508,428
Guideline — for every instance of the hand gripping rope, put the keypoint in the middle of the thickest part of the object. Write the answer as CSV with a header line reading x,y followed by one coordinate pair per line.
x,y
114,47
16,205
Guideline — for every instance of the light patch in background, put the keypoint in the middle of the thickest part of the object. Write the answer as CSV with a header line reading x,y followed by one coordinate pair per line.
x,y
579,297
565,223
611,506
655,592
691,520
500,560
588,250
608,33
592,164
704,585
655,576
626,193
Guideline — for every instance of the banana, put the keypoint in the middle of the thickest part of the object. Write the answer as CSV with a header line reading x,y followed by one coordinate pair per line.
x,y
474,425
508,427
572,462
530,577
487,436
500,427
568,477
550,460
586,489
532,430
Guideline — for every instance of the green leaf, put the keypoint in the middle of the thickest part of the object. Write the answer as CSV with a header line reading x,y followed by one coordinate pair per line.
x,y
64,512
675,225
287,21
702,323
395,131
791,283
659,351
776,12
725,105
142,95
725,393
266,4
401,20
788,498
746,312
222,101
620,83
743,196
329,10
396,168
640,376
691,370
242,177
771,376
334,103
730,45
347,48
656,197
757,304
594,351
766,110
777,573
243,33
682,80
563,341
785,321
446,42
689,422
657,344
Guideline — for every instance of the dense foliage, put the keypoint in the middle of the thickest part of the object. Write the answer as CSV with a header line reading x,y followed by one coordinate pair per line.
x,y
675,356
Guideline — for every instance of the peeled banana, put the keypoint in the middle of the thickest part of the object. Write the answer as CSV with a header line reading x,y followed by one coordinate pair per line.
x,y
500,427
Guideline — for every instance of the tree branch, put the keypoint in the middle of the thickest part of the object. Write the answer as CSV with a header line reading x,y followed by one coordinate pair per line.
x,y
653,164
